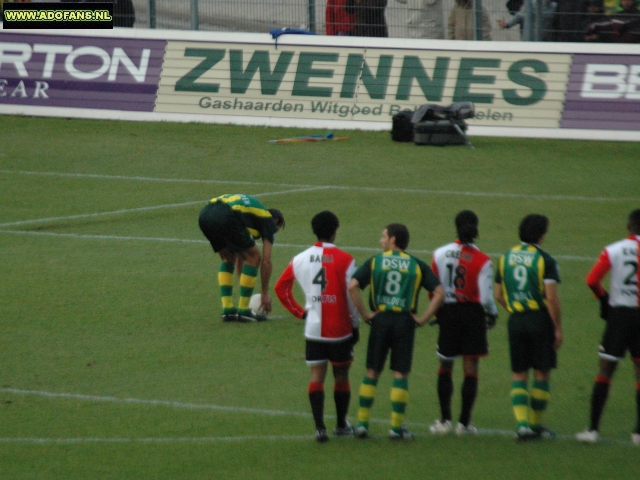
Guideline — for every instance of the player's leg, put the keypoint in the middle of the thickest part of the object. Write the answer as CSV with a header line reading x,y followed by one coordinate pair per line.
x,y
449,348
445,392
634,349
225,281
469,394
612,349
317,358
543,361
520,401
403,335
520,357
600,391
377,350
635,436
213,223
341,357
539,400
248,278
474,346
342,398
367,395
399,400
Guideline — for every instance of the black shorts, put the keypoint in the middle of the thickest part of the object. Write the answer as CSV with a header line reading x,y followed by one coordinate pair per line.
x,y
463,331
338,353
391,331
531,341
621,334
224,228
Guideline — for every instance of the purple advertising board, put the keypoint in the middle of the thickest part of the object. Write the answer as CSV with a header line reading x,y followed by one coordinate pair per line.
x,y
603,93
80,71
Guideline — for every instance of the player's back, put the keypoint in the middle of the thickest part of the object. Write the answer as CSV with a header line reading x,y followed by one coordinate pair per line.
x,y
625,275
461,268
323,272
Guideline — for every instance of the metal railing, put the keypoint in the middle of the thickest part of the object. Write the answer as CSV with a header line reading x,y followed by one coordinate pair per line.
x,y
539,20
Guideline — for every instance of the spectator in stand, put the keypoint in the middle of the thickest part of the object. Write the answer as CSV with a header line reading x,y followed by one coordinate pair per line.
x,y
623,27
546,27
338,21
461,25
370,19
568,21
424,18
594,14
124,15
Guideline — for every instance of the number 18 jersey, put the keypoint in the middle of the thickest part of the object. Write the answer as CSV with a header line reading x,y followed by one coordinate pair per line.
x,y
466,275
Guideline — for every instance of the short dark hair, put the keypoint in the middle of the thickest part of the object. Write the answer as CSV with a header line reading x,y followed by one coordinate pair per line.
x,y
533,227
325,224
277,217
467,226
401,232
634,222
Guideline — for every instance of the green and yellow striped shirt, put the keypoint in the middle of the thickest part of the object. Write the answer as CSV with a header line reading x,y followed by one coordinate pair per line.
x,y
522,272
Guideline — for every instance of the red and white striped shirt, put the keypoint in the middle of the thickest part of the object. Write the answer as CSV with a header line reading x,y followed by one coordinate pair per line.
x,y
466,275
621,259
323,271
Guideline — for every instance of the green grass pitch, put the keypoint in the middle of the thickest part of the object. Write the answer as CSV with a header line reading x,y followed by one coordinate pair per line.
x,y
114,362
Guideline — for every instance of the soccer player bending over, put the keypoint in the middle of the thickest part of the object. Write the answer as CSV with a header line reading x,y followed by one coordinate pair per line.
x,y
232,223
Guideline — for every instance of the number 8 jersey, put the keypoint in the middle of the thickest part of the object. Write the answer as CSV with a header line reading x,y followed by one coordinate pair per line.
x,y
395,278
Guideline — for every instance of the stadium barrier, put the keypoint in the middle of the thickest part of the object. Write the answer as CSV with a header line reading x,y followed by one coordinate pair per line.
x,y
519,89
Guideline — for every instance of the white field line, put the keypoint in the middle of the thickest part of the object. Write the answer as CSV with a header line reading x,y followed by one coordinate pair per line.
x,y
248,438
338,187
144,209
197,406
99,214
278,245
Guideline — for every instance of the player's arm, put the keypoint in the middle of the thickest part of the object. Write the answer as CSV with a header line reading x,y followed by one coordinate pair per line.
x,y
353,311
594,281
356,296
265,273
284,292
498,294
597,274
437,298
553,305
485,286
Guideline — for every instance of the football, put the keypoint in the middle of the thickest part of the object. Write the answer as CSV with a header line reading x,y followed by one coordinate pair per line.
x,y
255,304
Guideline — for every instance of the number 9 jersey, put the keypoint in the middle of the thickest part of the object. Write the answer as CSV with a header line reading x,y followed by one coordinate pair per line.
x,y
523,271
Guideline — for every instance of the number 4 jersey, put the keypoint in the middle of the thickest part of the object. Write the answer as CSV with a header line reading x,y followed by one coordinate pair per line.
x,y
323,272
621,258
466,275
